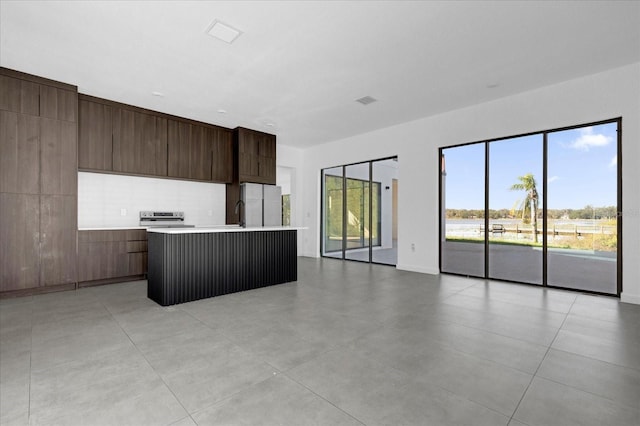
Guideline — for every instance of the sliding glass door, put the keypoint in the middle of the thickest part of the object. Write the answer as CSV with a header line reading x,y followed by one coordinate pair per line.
x,y
538,209
515,193
462,190
582,217
358,226
359,216
333,183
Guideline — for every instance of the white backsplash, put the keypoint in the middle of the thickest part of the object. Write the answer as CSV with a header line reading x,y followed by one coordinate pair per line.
x,y
102,198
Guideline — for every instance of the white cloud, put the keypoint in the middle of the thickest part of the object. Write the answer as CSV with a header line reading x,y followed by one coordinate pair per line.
x,y
553,179
614,161
588,139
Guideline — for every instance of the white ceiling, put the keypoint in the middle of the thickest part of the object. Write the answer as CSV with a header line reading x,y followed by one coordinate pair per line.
x,y
300,66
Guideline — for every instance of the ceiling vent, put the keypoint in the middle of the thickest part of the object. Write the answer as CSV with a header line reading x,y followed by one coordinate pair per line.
x,y
223,32
366,100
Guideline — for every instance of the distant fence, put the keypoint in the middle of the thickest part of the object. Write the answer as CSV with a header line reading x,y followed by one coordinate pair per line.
x,y
563,230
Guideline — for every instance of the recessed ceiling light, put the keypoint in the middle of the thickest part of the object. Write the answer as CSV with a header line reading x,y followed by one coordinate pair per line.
x,y
366,100
492,85
159,94
223,32
222,111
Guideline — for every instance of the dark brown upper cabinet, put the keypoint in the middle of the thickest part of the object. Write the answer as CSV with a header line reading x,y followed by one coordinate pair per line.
x,y
139,143
31,95
222,156
19,153
95,122
58,104
256,156
58,147
120,138
19,95
189,148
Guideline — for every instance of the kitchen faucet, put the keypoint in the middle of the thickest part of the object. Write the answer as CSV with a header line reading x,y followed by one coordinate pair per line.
x,y
241,222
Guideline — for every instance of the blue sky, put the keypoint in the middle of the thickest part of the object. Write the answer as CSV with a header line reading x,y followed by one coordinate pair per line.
x,y
581,169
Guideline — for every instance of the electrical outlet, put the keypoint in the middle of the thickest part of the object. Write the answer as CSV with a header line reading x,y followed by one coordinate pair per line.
x,y
209,212
123,212
413,247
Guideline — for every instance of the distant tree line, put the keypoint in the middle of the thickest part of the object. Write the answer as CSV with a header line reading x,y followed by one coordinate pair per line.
x,y
587,212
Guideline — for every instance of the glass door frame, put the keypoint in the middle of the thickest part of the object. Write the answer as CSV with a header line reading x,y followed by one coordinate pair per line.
x,y
545,133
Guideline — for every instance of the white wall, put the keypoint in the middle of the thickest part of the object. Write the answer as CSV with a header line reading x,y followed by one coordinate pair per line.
x,y
611,94
293,160
102,196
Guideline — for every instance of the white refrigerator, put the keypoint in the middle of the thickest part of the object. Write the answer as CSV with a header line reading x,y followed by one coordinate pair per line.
x,y
262,204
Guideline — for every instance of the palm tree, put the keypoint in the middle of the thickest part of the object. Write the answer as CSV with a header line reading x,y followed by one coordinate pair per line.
x,y
528,184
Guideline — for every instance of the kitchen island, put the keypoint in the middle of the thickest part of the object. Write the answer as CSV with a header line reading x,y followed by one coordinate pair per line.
x,y
187,264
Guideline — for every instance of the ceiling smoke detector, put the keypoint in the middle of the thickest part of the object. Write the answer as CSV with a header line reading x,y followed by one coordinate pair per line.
x,y
223,32
366,100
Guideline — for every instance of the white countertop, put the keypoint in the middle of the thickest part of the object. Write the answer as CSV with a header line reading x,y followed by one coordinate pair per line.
x,y
111,228
222,228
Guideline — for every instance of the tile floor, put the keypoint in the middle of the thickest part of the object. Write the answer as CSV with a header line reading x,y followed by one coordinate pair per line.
x,y
349,343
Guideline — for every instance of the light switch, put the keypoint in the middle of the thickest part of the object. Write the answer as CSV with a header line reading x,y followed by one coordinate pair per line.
x,y
123,212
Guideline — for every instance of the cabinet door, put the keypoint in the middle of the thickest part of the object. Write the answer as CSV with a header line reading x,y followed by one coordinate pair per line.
x,y
248,153
20,247
222,161
267,146
58,104
58,227
200,153
19,96
58,167
256,156
268,170
267,167
178,147
19,153
139,143
94,136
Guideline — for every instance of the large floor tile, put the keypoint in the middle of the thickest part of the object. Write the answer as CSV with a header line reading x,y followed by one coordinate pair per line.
x,y
619,384
69,343
357,385
424,404
549,403
606,309
522,295
279,346
538,331
14,401
116,388
514,353
276,401
626,354
621,331
156,323
492,385
204,367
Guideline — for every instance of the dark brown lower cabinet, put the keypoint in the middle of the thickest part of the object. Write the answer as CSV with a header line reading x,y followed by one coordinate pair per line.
x,y
58,239
111,256
20,241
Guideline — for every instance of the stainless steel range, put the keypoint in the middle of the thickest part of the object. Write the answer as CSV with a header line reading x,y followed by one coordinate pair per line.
x,y
163,219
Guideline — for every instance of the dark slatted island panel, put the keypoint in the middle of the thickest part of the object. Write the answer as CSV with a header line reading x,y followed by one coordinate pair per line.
x,y
189,266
